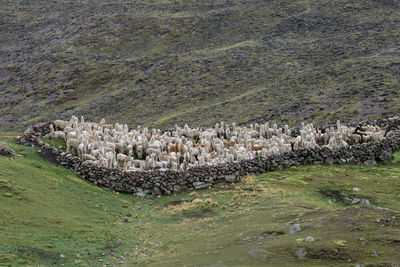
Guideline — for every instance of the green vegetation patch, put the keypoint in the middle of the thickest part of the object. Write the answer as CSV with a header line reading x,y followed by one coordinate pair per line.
x,y
56,142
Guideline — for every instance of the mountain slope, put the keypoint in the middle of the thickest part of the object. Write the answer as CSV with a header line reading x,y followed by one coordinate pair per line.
x,y
163,62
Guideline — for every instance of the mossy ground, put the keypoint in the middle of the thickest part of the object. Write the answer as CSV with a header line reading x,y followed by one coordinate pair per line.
x,y
47,211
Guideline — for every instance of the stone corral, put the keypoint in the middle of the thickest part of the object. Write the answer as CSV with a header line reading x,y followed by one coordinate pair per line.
x,y
167,181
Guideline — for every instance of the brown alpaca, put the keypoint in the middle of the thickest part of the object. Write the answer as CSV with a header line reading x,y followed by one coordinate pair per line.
x,y
256,148
173,148
300,144
177,148
229,144
182,149
213,147
196,144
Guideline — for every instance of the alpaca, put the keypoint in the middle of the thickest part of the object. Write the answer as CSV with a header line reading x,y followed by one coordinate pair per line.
x,y
376,136
60,124
88,157
140,152
72,144
56,134
111,159
256,148
82,147
229,144
73,135
122,158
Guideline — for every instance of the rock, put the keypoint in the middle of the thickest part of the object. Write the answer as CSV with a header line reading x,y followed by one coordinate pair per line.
x,y
362,202
140,193
370,162
177,188
309,239
156,191
117,244
166,191
230,178
329,160
294,228
7,152
359,265
385,156
258,254
374,253
365,203
356,189
199,185
301,253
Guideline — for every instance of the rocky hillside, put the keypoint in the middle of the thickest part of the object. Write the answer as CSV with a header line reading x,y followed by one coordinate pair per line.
x,y
163,62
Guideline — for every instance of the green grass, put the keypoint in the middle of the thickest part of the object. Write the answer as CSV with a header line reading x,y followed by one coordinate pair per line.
x,y
396,157
56,142
47,211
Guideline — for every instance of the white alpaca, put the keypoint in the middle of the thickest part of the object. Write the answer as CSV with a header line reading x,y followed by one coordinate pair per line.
x,y
81,149
111,159
122,158
73,135
72,144
56,134
60,124
88,157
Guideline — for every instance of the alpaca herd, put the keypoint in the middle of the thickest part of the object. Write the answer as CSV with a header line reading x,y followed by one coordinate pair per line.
x,y
117,146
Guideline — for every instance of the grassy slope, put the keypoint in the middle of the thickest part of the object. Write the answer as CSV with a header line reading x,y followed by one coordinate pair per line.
x,y
47,211
164,62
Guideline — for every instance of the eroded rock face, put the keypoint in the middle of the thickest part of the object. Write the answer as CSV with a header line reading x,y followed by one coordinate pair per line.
x,y
168,181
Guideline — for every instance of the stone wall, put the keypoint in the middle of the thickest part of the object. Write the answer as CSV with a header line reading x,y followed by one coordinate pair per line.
x,y
166,182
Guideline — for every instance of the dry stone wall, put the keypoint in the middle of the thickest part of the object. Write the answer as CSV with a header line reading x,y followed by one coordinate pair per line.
x,y
166,182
